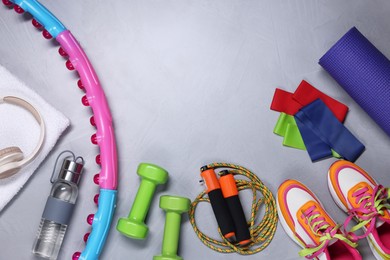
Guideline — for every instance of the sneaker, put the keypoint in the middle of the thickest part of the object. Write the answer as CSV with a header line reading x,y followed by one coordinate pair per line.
x,y
308,224
359,195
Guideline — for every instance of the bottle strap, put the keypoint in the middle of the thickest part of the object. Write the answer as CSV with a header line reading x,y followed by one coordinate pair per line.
x,y
58,211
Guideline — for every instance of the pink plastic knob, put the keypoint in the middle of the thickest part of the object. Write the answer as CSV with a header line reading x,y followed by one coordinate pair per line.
x,y
86,237
98,159
76,255
36,24
92,121
62,52
18,9
96,179
90,218
46,34
80,84
96,198
7,2
85,101
69,65
94,139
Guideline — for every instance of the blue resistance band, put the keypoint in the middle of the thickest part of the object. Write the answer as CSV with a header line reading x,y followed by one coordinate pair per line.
x,y
321,132
316,148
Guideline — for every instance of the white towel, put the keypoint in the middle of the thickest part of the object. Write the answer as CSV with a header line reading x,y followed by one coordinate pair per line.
x,y
19,128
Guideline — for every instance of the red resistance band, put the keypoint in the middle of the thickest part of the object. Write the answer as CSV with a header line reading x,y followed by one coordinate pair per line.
x,y
291,103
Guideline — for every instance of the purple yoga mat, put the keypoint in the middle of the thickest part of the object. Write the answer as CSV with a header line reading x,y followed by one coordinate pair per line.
x,y
364,72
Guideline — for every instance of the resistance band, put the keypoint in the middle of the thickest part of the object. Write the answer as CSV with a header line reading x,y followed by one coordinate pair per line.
x,y
290,103
283,101
287,127
262,233
364,72
306,94
321,131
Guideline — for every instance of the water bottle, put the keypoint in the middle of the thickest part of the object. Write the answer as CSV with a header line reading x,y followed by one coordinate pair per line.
x,y
59,207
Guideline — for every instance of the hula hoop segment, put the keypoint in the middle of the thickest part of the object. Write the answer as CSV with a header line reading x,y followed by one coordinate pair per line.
x,y
101,119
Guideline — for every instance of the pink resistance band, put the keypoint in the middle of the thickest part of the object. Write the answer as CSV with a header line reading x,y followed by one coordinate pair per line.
x,y
291,103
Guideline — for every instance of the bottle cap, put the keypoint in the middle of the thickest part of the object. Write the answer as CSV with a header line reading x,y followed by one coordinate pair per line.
x,y
71,171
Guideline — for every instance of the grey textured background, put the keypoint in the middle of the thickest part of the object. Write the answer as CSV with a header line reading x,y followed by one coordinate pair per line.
x,y
188,83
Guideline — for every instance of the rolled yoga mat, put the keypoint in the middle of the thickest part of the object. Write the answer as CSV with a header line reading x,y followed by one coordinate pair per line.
x,y
364,73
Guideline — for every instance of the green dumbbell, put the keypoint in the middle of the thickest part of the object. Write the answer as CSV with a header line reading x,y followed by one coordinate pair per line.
x,y
134,226
174,206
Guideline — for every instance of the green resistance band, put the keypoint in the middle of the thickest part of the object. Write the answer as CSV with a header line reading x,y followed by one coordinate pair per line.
x,y
288,129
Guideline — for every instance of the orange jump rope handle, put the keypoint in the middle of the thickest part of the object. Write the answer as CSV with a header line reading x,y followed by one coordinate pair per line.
x,y
230,193
218,203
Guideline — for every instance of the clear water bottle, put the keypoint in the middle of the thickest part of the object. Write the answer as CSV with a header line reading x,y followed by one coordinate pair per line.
x,y
59,208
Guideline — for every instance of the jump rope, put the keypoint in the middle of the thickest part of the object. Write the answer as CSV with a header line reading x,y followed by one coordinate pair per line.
x,y
260,235
104,137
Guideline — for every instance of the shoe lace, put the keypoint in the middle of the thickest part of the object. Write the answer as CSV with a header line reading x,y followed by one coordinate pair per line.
x,y
371,206
321,228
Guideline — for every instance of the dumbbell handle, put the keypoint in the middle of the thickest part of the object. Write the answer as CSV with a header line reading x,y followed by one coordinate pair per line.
x,y
142,200
171,233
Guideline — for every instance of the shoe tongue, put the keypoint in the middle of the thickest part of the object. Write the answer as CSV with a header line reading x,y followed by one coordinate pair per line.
x,y
357,190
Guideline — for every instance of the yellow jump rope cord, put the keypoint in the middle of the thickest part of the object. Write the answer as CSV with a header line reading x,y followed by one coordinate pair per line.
x,y
262,233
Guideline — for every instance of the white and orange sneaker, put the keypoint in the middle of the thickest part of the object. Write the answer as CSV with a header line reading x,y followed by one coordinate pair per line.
x,y
359,195
307,223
